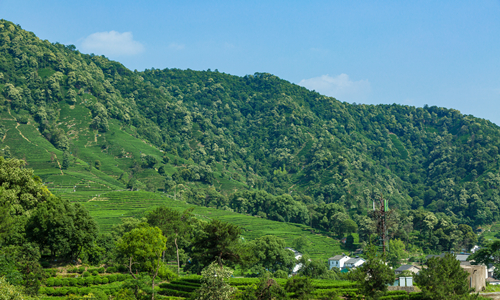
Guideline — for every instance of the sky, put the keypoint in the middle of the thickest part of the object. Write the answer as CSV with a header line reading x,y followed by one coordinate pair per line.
x,y
444,53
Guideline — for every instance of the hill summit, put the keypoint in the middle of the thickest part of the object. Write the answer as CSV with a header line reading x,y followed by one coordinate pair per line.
x,y
86,123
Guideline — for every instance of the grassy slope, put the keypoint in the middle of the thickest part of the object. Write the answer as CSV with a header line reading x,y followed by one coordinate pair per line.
x,y
110,207
91,184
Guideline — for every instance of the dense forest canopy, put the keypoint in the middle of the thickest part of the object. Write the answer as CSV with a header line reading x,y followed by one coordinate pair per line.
x,y
290,154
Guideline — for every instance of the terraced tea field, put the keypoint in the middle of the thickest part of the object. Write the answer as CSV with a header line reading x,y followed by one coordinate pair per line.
x,y
109,208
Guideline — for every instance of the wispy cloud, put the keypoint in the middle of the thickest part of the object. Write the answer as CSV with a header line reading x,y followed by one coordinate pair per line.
x,y
112,43
176,46
340,87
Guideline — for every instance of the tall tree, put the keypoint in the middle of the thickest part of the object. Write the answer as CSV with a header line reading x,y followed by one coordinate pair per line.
x,y
143,246
374,275
61,227
217,241
269,253
444,279
174,225
489,254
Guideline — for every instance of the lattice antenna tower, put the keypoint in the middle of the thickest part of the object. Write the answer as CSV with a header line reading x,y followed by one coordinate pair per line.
x,y
381,213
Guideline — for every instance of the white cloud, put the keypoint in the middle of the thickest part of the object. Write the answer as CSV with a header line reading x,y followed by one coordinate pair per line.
x,y
112,43
340,87
176,46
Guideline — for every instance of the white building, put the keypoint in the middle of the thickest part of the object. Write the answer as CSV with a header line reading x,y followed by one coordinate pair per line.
x,y
354,262
337,261
297,256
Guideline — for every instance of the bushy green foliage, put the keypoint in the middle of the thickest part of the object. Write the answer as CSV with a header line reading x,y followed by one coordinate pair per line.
x,y
213,283
444,279
374,275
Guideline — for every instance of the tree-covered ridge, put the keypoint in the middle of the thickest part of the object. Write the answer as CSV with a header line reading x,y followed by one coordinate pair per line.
x,y
275,136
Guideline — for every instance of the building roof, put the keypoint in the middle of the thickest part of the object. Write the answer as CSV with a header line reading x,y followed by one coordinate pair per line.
x,y
354,260
406,268
338,257
462,257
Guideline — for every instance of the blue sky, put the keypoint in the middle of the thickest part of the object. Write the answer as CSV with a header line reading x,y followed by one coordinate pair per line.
x,y
444,53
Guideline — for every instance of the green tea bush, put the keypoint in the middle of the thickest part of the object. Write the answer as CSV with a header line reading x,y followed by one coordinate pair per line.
x,y
84,291
95,273
121,277
111,278
111,270
72,282
105,280
99,295
182,282
394,297
169,292
89,281
57,282
86,274
50,282
49,291
100,270
178,287
81,270
81,281
97,280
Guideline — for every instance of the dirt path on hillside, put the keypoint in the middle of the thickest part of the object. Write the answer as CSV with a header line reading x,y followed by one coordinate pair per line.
x,y
23,135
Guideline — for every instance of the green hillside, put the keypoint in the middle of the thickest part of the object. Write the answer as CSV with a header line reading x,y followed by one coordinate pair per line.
x,y
255,145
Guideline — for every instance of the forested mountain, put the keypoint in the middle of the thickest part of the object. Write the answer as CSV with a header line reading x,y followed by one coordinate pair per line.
x,y
255,144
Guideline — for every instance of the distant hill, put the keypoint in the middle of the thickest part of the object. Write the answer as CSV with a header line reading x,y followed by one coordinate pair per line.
x,y
88,125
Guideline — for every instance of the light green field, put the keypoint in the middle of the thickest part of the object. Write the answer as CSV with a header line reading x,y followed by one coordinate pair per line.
x,y
109,208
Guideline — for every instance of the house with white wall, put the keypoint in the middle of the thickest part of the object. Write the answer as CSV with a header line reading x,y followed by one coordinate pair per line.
x,y
337,261
354,262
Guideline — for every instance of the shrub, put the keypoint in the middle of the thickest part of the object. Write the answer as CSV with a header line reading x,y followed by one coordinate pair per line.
x,y
81,270
111,270
99,295
281,274
300,286
111,278
121,277
49,290
57,282
81,281
178,287
84,291
64,282
86,274
100,270
122,268
72,291
72,281
89,280
50,282
165,273
95,273
168,292
97,280
105,280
